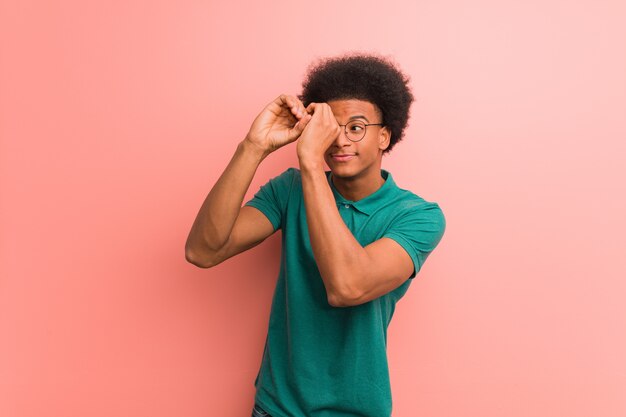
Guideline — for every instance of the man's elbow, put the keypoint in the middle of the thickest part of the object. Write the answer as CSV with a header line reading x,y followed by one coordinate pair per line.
x,y
201,261
345,298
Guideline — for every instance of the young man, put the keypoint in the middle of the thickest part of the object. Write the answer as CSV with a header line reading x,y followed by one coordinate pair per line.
x,y
351,239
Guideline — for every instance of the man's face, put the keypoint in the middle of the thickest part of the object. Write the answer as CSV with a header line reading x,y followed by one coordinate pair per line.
x,y
348,159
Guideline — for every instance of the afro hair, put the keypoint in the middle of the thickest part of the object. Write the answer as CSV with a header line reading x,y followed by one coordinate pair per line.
x,y
365,77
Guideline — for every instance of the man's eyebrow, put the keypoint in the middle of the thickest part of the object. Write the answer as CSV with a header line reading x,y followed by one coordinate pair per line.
x,y
359,116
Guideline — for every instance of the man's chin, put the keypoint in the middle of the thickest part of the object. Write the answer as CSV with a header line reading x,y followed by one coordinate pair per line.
x,y
342,172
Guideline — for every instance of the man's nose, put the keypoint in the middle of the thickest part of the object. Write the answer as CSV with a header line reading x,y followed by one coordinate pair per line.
x,y
342,138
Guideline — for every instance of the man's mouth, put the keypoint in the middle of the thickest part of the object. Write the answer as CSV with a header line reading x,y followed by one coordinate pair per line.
x,y
342,157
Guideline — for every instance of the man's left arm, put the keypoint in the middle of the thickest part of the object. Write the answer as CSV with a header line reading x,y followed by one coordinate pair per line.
x,y
352,274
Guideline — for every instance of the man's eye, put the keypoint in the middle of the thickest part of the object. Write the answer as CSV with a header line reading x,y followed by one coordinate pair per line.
x,y
355,127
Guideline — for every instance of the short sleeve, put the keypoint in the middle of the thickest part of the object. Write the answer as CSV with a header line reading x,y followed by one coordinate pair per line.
x,y
272,197
418,230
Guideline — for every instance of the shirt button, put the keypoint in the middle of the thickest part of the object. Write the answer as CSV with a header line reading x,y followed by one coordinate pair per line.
x,y
347,205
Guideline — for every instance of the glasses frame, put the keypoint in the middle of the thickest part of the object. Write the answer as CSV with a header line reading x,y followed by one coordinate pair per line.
x,y
345,131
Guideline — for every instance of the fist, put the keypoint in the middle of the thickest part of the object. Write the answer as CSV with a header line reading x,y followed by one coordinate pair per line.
x,y
320,132
279,123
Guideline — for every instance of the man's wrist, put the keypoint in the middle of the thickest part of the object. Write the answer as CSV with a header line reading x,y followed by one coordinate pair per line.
x,y
253,150
311,163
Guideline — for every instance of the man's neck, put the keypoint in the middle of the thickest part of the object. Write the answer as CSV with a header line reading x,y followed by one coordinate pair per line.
x,y
357,188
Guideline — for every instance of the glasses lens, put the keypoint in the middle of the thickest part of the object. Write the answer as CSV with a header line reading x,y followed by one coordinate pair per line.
x,y
355,130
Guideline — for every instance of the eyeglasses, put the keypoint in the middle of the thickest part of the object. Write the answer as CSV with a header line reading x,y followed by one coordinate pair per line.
x,y
356,129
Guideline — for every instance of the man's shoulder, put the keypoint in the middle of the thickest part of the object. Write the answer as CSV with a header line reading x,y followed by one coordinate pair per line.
x,y
290,174
412,207
409,200
409,206
286,178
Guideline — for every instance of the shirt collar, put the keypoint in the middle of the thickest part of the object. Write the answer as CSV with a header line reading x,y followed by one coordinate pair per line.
x,y
370,203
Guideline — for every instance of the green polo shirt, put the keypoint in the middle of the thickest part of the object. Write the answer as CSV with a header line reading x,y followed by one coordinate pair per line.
x,y
325,361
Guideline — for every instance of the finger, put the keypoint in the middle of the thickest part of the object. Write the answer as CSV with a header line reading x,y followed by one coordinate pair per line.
x,y
302,123
298,110
305,120
330,115
285,101
301,107
294,104
322,108
298,128
325,112
282,101
277,105
311,108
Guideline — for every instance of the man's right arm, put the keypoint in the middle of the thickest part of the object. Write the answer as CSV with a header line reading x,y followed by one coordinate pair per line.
x,y
222,227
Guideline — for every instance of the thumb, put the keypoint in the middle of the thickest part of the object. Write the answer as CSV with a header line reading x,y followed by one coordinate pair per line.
x,y
298,128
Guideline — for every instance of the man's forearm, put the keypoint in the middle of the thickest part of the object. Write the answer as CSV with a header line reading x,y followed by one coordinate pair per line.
x,y
339,256
220,209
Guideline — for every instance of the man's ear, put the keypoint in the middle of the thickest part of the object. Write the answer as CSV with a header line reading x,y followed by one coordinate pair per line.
x,y
384,138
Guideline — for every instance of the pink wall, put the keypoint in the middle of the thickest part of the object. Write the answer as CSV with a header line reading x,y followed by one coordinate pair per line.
x,y
117,117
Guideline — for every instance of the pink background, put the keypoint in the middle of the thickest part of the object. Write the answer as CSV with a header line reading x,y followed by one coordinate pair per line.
x,y
117,117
